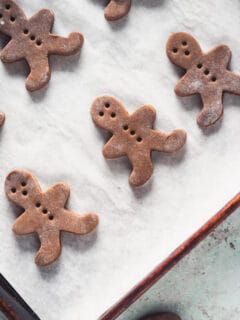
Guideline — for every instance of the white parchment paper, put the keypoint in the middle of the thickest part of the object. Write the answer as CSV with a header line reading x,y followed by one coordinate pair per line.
x,y
51,133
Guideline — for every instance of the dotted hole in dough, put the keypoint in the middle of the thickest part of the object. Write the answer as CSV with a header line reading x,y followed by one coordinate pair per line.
x,y
184,43
107,105
25,31
214,79
13,190
139,139
199,66
12,19
44,211
7,6
39,42
187,53
24,193
50,217
113,114
175,50
32,37
1,15
125,127
38,204
206,72
132,132
23,184
101,113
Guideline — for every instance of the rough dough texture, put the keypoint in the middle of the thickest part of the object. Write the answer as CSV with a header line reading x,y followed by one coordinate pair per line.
x,y
162,316
32,40
45,213
207,74
133,136
117,9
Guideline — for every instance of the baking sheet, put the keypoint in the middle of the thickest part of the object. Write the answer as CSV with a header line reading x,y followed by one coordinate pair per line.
x,y
50,132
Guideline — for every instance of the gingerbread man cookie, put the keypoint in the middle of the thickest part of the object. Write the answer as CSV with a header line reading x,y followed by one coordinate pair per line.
x,y
133,136
2,118
117,9
206,74
32,40
162,316
45,213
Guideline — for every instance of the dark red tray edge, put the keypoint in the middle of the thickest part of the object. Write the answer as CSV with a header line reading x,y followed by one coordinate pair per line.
x,y
169,262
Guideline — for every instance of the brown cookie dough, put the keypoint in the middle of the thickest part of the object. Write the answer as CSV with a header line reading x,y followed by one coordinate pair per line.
x,y
45,213
133,136
117,9
32,40
162,316
206,74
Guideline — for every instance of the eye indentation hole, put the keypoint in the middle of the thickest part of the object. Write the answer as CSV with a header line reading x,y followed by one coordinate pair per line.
x,y
107,104
25,31
23,184
139,139
113,114
51,217
1,15
38,204
14,190
125,127
7,6
32,37
175,50
206,72
101,113
184,43
199,66
132,132
39,42
187,53
24,192
214,78
12,19
44,211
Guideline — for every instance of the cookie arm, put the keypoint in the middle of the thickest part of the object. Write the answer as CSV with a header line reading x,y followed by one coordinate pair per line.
x,y
50,248
44,19
142,168
117,9
232,83
144,115
78,223
212,108
24,224
65,46
220,55
187,85
40,72
171,142
9,52
114,148
59,192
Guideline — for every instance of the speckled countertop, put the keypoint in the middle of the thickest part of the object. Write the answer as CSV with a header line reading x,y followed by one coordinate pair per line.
x,y
51,133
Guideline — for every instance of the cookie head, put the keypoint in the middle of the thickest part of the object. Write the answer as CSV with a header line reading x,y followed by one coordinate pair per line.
x,y
183,49
108,113
20,186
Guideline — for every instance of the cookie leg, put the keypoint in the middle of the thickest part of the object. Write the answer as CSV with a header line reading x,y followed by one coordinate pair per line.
x,y
212,109
40,72
65,46
117,9
168,142
142,168
78,223
50,248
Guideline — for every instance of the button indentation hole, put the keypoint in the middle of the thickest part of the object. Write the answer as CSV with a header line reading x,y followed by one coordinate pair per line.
x,y
113,114
1,15
38,204
101,113
132,132
24,192
187,52
107,105
206,72
39,42
175,50
25,31
50,217
44,211
214,78
32,37
139,139
125,127
199,66
12,18
7,6
13,190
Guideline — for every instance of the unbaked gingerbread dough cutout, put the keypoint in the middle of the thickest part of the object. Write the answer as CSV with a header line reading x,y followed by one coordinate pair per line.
x,y
32,40
133,136
206,74
117,9
45,213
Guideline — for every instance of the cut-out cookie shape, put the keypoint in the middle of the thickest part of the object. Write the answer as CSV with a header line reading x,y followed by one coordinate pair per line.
x,y
32,40
2,118
45,213
206,74
133,136
117,9
162,316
